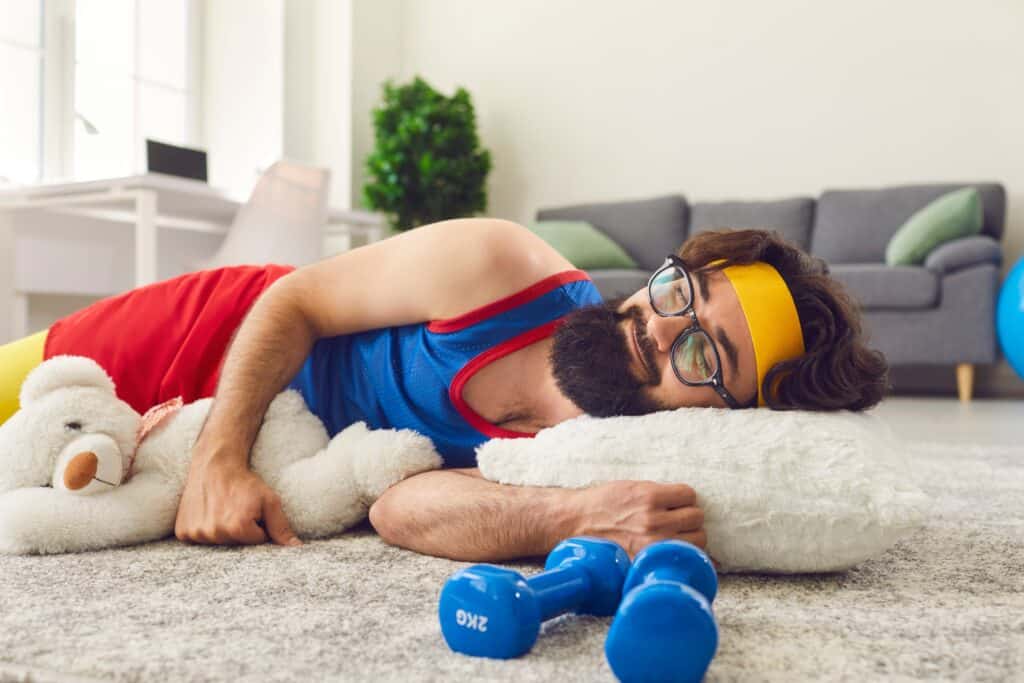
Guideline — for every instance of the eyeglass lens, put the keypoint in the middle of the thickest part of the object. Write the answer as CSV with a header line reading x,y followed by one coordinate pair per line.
x,y
670,291
694,358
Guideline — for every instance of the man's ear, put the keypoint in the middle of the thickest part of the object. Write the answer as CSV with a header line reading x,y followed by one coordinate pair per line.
x,y
60,372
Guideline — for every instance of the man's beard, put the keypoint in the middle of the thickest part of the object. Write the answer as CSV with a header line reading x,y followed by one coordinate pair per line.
x,y
590,361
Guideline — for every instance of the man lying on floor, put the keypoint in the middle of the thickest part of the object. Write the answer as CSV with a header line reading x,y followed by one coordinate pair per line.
x,y
466,330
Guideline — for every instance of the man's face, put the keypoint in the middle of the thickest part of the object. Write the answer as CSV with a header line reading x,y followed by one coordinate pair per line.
x,y
614,359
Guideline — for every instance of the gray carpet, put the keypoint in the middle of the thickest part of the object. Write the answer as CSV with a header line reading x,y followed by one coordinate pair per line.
x,y
947,604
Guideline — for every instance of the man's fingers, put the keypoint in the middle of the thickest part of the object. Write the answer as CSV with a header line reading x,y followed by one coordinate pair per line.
x,y
186,535
698,538
686,519
278,528
193,537
249,533
671,496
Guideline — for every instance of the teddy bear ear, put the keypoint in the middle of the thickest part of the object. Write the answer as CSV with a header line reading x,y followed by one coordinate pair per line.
x,y
61,372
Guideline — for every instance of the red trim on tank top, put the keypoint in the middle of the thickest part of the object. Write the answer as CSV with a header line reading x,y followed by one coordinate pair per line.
x,y
494,308
492,354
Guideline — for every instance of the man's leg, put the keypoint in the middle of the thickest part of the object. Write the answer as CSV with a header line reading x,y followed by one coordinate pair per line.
x,y
17,359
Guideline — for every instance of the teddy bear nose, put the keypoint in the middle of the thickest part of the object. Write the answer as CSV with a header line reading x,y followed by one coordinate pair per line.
x,y
80,470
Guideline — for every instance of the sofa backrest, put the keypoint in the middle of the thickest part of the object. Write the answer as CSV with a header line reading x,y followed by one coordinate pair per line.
x,y
647,229
854,226
792,218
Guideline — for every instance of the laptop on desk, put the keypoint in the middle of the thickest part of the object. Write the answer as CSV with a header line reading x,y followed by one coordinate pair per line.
x,y
174,160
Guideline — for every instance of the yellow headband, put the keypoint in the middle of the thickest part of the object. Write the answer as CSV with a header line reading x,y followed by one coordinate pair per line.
x,y
771,316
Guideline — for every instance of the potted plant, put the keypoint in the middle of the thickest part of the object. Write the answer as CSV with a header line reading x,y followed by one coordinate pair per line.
x,y
427,164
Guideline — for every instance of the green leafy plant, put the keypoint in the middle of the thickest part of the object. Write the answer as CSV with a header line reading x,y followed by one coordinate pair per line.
x,y
427,164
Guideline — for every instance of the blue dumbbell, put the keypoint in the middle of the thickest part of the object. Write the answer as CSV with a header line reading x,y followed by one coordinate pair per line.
x,y
489,611
664,629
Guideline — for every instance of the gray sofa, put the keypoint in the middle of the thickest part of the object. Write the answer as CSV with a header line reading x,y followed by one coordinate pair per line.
x,y
941,313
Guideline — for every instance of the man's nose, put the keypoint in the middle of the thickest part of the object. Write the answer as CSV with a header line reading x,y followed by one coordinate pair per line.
x,y
664,331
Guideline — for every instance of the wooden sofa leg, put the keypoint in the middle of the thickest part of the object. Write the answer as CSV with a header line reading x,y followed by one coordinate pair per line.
x,y
965,381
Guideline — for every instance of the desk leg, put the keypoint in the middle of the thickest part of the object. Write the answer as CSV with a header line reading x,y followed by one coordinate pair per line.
x,y
145,237
7,294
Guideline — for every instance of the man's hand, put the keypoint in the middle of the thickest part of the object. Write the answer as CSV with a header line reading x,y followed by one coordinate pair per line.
x,y
224,502
635,514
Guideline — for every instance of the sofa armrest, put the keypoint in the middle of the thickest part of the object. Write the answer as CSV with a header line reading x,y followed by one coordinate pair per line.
x,y
962,253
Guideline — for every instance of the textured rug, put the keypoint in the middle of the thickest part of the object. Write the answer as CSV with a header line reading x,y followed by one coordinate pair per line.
x,y
945,604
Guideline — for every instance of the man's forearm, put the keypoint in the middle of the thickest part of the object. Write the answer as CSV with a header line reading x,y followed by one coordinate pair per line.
x,y
266,353
451,514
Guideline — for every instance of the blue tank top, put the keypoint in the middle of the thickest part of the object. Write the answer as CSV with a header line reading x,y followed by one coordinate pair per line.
x,y
412,376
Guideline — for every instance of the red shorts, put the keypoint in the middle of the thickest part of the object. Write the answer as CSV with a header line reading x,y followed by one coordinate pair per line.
x,y
167,339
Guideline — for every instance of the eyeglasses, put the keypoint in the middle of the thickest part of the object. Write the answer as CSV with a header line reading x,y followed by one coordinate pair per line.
x,y
694,356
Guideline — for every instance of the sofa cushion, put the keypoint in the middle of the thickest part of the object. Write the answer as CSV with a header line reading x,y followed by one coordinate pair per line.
x,y
647,229
964,253
951,216
877,286
582,244
792,218
619,282
854,226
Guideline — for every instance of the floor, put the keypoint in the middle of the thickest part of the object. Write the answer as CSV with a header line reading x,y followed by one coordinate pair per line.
x,y
944,604
928,418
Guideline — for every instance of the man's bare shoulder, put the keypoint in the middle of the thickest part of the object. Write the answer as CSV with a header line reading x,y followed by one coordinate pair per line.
x,y
492,259
433,272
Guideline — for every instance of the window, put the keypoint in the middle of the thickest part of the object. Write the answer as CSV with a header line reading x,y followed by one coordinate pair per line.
x,y
132,81
84,82
21,87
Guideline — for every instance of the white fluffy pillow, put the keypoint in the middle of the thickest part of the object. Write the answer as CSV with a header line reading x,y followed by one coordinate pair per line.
x,y
782,491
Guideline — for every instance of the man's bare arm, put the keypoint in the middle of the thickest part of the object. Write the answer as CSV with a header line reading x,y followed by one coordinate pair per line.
x,y
458,515
266,353
449,513
402,280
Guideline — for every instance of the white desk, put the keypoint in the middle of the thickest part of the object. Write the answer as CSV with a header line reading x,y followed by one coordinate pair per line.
x,y
148,203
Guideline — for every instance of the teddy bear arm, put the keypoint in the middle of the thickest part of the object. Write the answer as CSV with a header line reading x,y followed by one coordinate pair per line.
x,y
319,495
47,520
333,490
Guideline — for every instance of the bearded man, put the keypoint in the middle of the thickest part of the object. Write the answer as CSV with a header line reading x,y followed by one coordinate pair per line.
x,y
466,330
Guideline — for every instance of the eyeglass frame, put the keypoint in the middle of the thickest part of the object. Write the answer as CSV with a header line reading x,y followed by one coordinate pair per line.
x,y
716,381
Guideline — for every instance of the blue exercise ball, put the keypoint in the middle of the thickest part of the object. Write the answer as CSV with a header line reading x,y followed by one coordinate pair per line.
x,y
1010,318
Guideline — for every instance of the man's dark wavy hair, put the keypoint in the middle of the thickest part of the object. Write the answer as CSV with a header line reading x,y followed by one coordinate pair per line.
x,y
837,371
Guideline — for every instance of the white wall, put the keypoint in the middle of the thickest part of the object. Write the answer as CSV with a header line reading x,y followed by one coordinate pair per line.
x,y
318,89
337,55
243,88
376,57
581,100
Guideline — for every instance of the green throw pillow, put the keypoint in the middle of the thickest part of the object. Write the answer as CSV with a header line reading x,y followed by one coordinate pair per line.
x,y
583,245
951,216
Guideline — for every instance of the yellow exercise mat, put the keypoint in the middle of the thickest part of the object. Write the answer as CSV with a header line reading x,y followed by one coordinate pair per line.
x,y
17,359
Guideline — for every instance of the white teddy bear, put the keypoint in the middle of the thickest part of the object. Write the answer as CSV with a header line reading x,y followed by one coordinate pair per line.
x,y
81,470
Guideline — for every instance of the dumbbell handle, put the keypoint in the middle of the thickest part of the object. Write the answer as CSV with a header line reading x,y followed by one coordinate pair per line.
x,y
695,570
560,590
663,574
